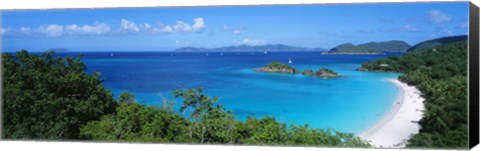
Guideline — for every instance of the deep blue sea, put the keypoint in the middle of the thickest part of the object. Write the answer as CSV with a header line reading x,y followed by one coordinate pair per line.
x,y
351,103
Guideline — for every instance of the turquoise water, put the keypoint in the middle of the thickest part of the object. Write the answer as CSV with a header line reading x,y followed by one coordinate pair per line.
x,y
351,103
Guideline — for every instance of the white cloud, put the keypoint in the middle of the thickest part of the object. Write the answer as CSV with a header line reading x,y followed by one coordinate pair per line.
x,y
52,30
56,30
182,27
25,30
97,29
438,17
128,26
247,41
236,32
160,28
198,25
168,29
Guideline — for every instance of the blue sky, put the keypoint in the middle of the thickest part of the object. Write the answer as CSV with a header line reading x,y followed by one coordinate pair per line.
x,y
168,28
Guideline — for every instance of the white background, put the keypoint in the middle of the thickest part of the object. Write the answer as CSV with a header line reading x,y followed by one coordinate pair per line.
x,y
87,146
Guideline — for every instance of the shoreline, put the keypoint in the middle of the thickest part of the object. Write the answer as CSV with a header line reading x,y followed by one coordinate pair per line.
x,y
397,126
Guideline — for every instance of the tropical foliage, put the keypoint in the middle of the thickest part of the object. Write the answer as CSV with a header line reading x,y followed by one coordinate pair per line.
x,y
47,97
202,120
278,65
440,73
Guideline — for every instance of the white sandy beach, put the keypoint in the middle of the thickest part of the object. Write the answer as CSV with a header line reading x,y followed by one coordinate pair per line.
x,y
400,123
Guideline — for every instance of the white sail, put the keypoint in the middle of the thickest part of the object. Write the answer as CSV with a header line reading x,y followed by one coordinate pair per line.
x,y
289,60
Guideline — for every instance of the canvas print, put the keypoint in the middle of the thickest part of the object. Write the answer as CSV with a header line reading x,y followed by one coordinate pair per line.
x,y
367,75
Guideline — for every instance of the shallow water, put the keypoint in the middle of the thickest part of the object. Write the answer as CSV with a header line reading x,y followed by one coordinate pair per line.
x,y
351,103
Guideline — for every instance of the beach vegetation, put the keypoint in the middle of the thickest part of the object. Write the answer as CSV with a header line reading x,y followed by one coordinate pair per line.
x,y
54,98
440,73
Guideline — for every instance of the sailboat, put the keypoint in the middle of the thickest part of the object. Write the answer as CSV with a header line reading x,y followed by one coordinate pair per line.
x,y
265,52
111,54
289,60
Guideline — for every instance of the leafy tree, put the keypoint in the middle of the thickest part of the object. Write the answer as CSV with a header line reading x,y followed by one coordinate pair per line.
x,y
211,122
263,131
126,97
134,122
47,97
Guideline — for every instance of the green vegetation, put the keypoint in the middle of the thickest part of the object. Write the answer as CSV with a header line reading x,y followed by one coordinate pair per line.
x,y
372,47
323,72
48,97
437,42
133,122
327,72
278,65
206,122
440,73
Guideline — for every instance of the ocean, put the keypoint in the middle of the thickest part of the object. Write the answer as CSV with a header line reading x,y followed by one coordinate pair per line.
x,y
351,103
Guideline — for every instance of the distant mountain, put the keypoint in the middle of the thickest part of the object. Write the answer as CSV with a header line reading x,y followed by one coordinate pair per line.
x,y
437,42
372,47
248,48
59,50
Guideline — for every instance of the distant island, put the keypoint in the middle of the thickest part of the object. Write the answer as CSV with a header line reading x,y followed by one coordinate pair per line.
x,y
59,49
370,48
346,48
324,72
249,48
277,67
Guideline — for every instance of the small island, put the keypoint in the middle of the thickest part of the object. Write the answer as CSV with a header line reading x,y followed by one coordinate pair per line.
x,y
324,72
277,67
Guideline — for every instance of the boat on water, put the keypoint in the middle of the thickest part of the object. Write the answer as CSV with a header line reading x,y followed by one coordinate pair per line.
x,y
221,54
265,52
111,54
206,54
289,60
